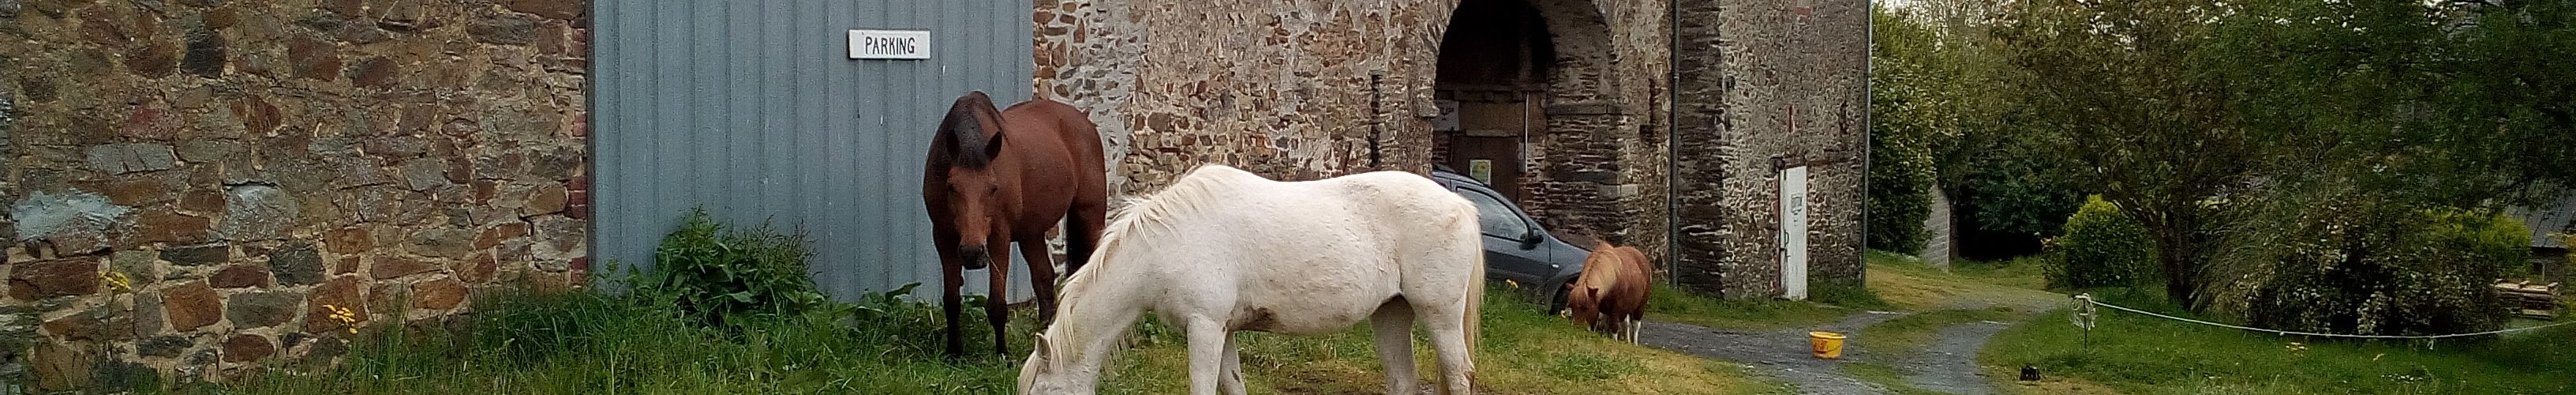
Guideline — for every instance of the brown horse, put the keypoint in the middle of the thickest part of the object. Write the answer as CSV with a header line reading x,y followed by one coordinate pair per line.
x,y
1610,295
998,177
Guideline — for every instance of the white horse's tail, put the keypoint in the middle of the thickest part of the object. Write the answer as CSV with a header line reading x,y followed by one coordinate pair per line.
x,y
1475,311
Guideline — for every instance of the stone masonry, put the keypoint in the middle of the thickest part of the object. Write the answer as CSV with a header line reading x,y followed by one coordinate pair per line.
x,y
1779,84
197,186
1307,90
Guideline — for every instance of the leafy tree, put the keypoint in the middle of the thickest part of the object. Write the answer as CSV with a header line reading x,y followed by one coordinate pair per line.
x,y
2116,93
1910,100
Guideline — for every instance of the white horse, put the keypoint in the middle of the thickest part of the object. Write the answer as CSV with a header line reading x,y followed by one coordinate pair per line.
x,y
1223,250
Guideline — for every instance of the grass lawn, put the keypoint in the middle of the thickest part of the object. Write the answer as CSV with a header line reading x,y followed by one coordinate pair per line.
x,y
2136,354
1909,284
585,343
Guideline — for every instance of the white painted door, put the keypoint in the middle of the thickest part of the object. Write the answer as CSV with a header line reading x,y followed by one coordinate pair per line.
x,y
1793,232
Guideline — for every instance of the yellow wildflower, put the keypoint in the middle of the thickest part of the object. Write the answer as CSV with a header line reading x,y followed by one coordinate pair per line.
x,y
116,280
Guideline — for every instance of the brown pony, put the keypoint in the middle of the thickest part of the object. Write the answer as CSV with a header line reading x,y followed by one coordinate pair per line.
x,y
1610,295
998,177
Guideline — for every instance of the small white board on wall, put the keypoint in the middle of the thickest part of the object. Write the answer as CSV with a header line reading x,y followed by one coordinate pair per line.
x,y
890,44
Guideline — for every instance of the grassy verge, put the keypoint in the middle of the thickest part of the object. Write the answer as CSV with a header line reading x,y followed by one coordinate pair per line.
x,y
590,343
1675,305
2143,355
1908,283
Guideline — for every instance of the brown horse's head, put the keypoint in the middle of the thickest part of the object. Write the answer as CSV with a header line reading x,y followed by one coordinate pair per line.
x,y
974,192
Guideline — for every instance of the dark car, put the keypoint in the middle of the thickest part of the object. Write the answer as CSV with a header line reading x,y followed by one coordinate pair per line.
x,y
1517,247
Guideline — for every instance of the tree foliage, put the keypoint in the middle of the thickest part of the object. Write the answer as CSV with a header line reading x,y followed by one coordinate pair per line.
x,y
1911,100
2218,126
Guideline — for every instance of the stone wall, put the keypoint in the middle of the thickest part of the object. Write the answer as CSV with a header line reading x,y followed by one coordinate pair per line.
x,y
197,186
1305,90
1766,85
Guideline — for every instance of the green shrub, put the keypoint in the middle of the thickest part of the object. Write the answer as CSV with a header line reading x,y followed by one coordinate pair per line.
x,y
715,275
2102,247
2362,269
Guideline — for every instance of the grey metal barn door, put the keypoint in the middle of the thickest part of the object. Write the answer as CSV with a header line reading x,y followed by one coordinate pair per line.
x,y
756,111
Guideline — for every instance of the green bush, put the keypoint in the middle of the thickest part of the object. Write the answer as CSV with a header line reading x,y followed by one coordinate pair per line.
x,y
2101,248
2362,269
715,275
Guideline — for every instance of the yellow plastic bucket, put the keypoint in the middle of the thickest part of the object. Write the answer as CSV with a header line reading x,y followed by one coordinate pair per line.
x,y
1828,345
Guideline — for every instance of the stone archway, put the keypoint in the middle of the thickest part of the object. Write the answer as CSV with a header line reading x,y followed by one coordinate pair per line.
x,y
1525,90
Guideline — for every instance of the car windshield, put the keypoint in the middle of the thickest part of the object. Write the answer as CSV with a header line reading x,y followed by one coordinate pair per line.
x,y
1496,217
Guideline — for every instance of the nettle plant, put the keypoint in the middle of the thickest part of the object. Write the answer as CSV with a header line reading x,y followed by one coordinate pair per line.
x,y
717,275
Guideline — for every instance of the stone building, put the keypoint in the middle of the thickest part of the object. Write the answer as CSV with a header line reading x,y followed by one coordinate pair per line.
x,y
198,186
1613,116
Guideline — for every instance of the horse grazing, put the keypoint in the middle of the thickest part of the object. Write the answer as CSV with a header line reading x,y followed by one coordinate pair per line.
x,y
1610,295
998,177
1223,250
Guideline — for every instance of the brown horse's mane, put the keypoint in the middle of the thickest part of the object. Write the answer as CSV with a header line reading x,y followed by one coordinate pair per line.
x,y
965,130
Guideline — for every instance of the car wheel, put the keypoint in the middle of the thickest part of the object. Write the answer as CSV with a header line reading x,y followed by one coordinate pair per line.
x,y
1556,299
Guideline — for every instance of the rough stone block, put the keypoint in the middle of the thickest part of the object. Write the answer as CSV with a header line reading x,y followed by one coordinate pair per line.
x,y
241,276
424,173
148,316
397,266
258,212
479,269
50,278
165,225
165,346
494,236
262,309
347,292
191,306
503,29
198,255
441,294
152,58
544,199
102,323
121,158
553,9
349,240
375,72
296,263
441,243
60,367
205,56
137,264
312,58
145,189
247,347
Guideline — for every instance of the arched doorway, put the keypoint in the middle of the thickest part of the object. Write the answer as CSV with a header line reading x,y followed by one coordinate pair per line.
x,y
1520,85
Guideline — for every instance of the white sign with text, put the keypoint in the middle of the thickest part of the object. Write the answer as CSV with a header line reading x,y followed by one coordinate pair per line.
x,y
889,44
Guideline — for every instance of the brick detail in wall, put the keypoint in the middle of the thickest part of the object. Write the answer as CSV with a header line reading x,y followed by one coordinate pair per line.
x,y
255,167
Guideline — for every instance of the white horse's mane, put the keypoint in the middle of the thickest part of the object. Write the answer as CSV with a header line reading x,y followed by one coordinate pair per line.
x,y
1149,212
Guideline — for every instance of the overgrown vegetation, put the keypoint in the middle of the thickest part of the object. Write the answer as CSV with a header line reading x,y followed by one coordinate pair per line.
x,y
2101,247
2142,355
2360,269
718,275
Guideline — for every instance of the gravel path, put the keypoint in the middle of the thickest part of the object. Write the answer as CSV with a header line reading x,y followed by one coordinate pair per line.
x,y
1948,366
1783,353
